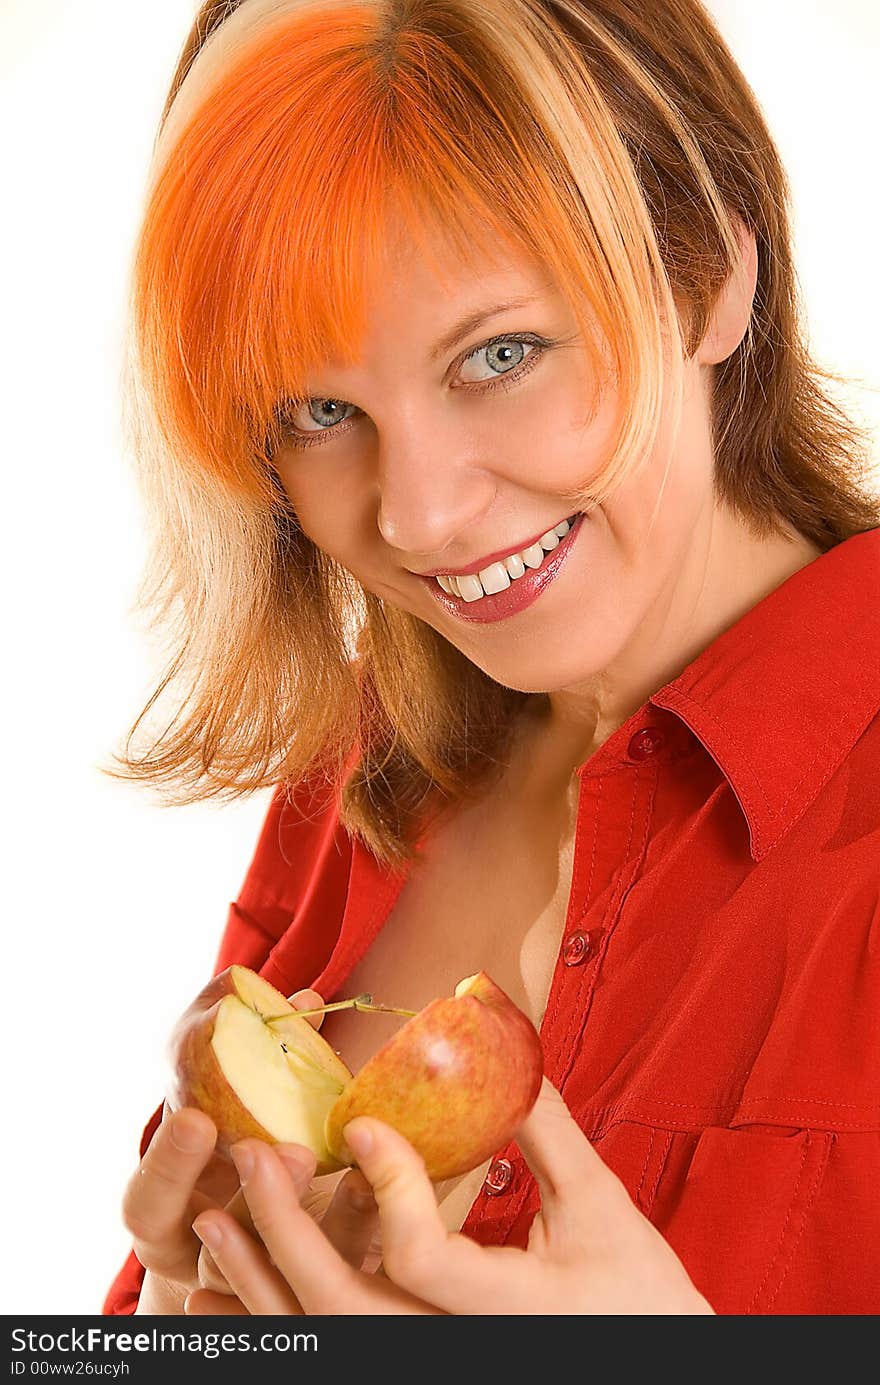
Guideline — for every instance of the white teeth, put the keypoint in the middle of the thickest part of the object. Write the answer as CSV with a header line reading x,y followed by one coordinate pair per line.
x,y
534,556
497,577
469,588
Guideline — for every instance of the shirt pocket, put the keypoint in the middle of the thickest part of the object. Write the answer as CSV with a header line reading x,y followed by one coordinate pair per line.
x,y
734,1205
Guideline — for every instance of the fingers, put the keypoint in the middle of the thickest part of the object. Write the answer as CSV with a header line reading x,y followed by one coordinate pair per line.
x,y
321,1279
311,1266
582,1200
210,1276
300,1165
259,1286
205,1303
439,1267
418,1252
351,1221
308,1000
411,1222
245,1271
349,1217
158,1195
557,1151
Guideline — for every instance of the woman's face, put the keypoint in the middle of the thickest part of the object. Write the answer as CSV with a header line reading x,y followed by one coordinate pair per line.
x,y
449,447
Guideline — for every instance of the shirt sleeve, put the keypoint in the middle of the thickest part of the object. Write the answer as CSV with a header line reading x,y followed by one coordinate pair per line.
x,y
248,937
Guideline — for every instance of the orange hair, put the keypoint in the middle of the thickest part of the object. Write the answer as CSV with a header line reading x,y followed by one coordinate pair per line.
x,y
616,142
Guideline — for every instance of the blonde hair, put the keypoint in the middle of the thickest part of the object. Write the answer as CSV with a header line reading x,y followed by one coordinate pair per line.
x,y
615,141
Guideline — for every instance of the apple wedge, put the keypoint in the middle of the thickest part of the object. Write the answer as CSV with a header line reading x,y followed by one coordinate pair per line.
x,y
456,1080
276,1082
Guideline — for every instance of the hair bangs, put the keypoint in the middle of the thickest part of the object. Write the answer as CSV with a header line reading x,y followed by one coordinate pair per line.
x,y
315,146
263,227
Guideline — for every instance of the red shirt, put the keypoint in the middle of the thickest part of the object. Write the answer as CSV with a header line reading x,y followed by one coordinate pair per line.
x,y
713,1019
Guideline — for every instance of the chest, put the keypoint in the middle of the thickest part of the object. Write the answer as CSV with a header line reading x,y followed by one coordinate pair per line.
x,y
490,892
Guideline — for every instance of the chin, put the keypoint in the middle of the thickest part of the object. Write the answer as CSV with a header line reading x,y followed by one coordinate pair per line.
x,y
547,677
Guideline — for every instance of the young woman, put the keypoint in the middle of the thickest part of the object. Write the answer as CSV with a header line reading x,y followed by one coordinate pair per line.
x,y
504,524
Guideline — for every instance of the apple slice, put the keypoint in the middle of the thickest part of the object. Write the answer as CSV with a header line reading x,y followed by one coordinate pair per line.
x,y
276,1082
456,1080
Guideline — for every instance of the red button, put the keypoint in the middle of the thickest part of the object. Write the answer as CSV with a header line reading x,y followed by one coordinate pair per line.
x,y
498,1178
645,743
576,949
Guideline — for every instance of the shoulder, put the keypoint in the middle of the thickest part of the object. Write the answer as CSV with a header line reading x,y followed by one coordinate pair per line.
x,y
299,866
301,823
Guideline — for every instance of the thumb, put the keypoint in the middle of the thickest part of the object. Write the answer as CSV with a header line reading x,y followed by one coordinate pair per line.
x,y
558,1152
405,1197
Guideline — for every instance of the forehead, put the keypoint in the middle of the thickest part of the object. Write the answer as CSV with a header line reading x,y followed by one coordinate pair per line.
x,y
451,255
429,278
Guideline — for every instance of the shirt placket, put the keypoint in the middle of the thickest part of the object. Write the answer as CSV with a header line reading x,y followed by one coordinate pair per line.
x,y
614,810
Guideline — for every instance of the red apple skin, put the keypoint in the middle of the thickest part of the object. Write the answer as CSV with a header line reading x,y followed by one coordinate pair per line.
x,y
456,1080
197,1077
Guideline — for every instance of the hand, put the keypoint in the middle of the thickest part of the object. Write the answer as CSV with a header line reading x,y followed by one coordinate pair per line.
x,y
348,1218
179,1176
590,1250
343,1203
263,1274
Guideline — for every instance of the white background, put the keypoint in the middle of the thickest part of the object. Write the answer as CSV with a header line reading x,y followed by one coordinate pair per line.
x,y
114,905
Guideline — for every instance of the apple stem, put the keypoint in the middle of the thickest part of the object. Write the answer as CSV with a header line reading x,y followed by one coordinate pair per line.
x,y
385,1009
358,1002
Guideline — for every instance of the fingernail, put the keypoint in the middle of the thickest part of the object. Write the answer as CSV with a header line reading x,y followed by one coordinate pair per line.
x,y
209,1233
188,1138
359,1138
243,1160
361,1200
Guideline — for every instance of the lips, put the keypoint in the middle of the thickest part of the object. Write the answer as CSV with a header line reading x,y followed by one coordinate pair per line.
x,y
497,557
522,592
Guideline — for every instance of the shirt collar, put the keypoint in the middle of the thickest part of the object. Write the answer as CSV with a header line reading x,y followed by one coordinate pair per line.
x,y
780,698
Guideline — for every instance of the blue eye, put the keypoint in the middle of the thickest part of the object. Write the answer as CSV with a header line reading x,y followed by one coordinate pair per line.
x,y
500,356
325,413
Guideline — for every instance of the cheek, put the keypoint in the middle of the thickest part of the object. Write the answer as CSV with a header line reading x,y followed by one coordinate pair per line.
x,y
285,466
651,530
324,506
657,510
581,438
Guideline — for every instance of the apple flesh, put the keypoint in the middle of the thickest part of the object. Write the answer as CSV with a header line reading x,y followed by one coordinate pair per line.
x,y
275,1082
456,1080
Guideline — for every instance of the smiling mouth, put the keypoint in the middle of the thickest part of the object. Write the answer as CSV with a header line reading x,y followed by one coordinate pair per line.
x,y
470,604
498,576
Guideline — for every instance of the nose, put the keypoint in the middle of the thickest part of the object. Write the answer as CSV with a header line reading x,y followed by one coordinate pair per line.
x,y
433,488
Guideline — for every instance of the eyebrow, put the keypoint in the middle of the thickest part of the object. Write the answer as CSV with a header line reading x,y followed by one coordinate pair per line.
x,y
466,325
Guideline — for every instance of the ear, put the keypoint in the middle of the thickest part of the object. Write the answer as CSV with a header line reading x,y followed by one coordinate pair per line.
x,y
733,306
